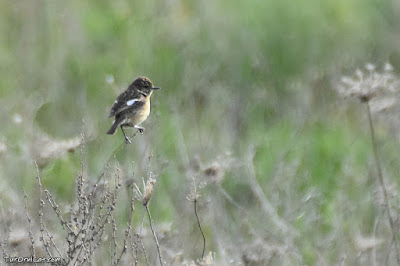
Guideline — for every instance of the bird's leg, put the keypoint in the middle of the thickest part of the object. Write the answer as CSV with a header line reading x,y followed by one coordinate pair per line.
x,y
127,140
141,129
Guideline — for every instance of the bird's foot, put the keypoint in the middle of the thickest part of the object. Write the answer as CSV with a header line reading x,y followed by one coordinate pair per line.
x,y
140,129
127,140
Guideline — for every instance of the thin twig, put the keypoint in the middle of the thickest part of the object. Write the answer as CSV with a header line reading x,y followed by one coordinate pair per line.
x,y
201,230
154,235
139,239
30,227
40,213
128,229
374,235
133,248
2,245
382,182
66,226
114,238
283,226
230,199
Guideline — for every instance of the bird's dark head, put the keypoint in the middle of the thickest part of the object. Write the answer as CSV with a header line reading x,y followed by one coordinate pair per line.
x,y
144,85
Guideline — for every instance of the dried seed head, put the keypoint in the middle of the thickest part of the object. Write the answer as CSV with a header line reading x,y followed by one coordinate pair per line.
x,y
366,86
370,67
215,172
212,171
388,67
148,190
364,244
193,195
44,148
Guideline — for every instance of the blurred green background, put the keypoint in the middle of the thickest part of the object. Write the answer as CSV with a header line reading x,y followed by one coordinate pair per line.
x,y
239,79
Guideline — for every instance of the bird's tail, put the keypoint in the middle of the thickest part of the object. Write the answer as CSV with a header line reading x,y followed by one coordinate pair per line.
x,y
113,128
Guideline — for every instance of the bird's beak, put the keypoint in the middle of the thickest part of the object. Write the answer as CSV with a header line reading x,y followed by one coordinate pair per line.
x,y
155,88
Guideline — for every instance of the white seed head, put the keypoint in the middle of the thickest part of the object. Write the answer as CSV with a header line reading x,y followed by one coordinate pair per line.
x,y
110,79
370,67
388,67
17,118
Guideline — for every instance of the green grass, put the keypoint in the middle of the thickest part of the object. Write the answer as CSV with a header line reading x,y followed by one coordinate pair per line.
x,y
235,78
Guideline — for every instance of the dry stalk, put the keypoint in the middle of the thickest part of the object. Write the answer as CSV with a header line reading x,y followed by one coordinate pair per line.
x,y
382,181
194,196
154,235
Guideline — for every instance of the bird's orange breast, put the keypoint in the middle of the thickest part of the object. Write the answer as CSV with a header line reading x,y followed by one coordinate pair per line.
x,y
141,114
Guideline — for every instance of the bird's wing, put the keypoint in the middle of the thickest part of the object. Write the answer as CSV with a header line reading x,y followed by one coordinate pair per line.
x,y
127,99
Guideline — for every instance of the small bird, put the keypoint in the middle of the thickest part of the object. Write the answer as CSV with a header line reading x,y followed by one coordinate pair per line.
x,y
132,106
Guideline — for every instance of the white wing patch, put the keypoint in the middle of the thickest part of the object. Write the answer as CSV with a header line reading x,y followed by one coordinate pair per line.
x,y
130,102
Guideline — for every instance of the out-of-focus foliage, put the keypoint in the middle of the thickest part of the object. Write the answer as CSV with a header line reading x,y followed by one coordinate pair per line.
x,y
237,78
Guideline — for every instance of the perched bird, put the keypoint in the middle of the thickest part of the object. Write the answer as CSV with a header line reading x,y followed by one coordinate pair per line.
x,y
132,106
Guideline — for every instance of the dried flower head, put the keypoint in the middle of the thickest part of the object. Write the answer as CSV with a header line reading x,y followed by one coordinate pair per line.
x,y
208,260
215,172
193,195
44,148
363,243
147,188
367,84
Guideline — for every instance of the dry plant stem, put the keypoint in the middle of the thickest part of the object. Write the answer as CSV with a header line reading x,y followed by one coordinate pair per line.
x,y
133,248
266,205
2,244
229,198
374,261
107,165
134,134
53,204
138,239
114,237
111,198
83,241
201,230
382,182
125,246
154,235
128,232
30,226
50,237
40,212
136,250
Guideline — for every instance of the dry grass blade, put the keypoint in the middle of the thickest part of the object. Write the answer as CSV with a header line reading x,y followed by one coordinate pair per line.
x,y
154,235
